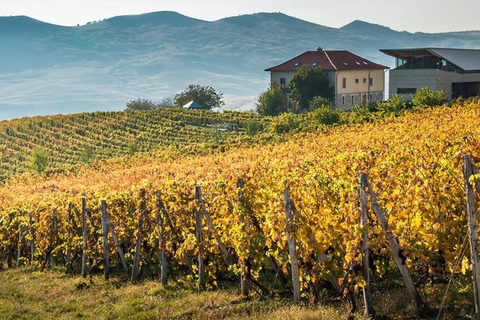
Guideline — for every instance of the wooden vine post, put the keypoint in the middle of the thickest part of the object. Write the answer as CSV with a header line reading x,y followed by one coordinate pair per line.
x,y
136,262
84,238
32,242
367,296
117,243
291,245
472,231
19,246
395,248
68,258
243,283
105,239
198,227
161,240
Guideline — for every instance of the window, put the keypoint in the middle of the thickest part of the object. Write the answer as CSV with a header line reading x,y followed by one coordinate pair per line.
x,y
356,80
345,63
371,81
283,82
343,100
344,83
352,98
406,90
364,80
315,64
296,64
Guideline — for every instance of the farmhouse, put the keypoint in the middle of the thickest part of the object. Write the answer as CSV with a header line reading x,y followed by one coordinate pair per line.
x,y
356,80
455,71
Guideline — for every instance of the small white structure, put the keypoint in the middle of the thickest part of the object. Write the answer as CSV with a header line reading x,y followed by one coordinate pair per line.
x,y
455,71
193,105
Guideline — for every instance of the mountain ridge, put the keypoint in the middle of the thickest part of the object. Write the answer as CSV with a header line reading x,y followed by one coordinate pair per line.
x,y
100,66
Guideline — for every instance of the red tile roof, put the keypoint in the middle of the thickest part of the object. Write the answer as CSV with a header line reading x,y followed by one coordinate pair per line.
x,y
329,61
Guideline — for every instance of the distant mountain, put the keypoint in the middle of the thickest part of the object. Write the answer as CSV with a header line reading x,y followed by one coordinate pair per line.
x,y
48,69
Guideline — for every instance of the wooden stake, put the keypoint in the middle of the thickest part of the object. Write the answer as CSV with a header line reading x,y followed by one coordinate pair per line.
x,y
198,227
395,248
367,296
161,240
32,242
19,247
243,284
69,242
105,239
84,238
472,231
291,245
117,244
136,261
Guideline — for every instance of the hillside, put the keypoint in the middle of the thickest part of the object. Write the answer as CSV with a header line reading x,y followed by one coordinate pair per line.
x,y
102,65
72,140
160,216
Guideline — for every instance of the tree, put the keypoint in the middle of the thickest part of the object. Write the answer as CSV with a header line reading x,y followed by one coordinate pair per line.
x,y
272,102
308,82
204,95
38,161
141,104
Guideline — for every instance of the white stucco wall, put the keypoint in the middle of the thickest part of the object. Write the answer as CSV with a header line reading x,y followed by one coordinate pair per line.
x,y
431,78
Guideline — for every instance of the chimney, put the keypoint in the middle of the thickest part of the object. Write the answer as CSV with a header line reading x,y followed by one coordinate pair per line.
x,y
319,49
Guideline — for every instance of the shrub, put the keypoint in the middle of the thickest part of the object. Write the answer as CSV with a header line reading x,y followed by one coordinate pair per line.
x,y
318,102
360,114
326,115
141,104
253,127
285,122
394,106
38,161
427,97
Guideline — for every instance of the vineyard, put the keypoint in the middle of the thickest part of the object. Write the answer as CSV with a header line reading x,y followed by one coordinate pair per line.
x,y
74,139
265,212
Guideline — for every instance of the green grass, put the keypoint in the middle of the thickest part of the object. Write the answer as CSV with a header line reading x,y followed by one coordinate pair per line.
x,y
28,294
52,294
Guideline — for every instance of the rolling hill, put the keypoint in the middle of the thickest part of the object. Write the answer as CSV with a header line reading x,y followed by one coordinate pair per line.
x,y
100,66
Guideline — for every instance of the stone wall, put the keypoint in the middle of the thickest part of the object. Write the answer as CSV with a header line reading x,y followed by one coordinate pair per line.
x,y
350,100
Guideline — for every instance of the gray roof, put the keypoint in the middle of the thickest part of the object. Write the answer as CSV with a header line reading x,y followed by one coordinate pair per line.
x,y
465,59
193,105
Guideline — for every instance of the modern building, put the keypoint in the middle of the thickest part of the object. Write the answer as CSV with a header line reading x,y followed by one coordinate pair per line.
x,y
455,71
356,80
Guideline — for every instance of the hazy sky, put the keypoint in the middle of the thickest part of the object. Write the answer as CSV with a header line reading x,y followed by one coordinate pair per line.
x,y
410,15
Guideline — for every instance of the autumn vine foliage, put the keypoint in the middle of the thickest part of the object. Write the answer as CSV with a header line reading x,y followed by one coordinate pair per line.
x,y
413,162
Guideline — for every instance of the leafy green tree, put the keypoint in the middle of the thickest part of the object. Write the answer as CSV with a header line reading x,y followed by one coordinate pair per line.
x,y
308,82
427,97
38,161
204,95
272,102
141,104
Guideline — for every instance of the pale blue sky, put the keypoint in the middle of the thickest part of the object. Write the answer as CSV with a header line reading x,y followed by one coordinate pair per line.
x,y
410,15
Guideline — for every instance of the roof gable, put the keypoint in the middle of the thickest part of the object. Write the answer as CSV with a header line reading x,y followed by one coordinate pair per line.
x,y
328,61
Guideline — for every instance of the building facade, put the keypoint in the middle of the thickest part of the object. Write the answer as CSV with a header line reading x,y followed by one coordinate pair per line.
x,y
356,81
455,71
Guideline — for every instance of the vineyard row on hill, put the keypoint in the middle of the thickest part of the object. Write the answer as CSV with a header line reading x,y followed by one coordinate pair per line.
x,y
81,138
